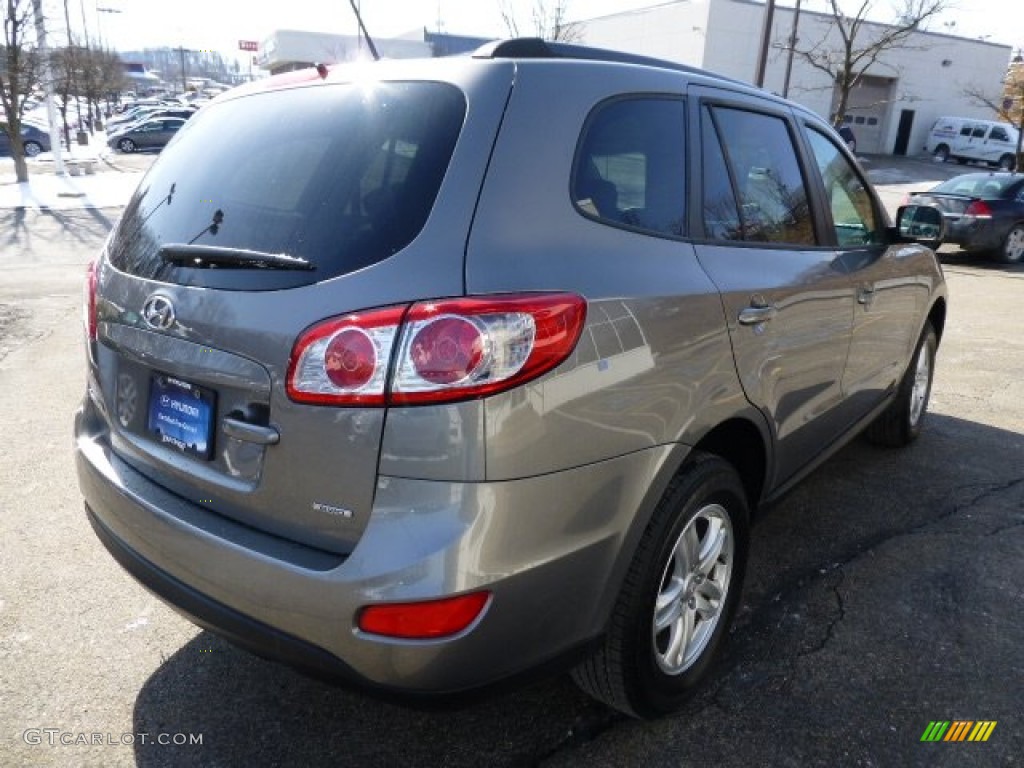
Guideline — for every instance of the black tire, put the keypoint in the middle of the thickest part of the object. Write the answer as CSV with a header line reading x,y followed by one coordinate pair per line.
x,y
1007,163
960,160
900,424
941,153
628,670
1012,249
32,148
126,145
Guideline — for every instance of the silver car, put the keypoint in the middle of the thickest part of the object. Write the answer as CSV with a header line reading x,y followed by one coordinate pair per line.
x,y
426,374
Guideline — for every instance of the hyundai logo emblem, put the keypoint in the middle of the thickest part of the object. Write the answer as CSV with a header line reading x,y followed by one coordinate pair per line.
x,y
158,312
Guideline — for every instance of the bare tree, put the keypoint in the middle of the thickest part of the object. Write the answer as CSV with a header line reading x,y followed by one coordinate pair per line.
x,y
549,21
862,43
1010,107
19,74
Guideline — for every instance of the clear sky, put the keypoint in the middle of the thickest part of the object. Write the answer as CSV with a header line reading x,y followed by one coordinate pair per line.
x,y
221,23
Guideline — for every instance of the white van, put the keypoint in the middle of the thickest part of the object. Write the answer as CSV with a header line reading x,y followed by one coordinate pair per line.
x,y
965,138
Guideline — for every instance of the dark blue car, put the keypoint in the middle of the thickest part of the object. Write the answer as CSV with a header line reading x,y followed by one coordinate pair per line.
x,y
33,140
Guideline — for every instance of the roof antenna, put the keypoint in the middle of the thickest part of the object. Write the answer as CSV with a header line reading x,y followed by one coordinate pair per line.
x,y
362,28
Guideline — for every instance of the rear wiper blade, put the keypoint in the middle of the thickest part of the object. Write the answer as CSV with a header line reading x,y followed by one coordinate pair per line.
x,y
206,256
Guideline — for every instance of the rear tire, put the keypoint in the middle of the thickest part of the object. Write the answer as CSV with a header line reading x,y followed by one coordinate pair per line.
x,y
32,148
1012,249
678,597
900,424
126,145
1007,163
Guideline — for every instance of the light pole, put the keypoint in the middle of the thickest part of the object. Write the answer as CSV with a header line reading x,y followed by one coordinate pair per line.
x,y
99,28
792,45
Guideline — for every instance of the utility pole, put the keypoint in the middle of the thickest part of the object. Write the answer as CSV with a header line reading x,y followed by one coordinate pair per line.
x,y
184,82
51,109
792,45
766,38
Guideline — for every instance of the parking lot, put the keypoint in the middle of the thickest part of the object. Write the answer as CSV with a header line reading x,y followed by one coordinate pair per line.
x,y
885,593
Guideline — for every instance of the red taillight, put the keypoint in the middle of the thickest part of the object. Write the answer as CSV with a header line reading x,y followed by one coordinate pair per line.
x,y
425,620
344,361
447,350
978,209
89,301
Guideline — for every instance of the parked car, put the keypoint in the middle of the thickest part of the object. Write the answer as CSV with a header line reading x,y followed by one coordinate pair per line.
x,y
983,212
33,139
429,397
151,133
964,139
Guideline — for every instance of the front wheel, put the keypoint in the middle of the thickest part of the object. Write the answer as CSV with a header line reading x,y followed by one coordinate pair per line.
x,y
32,148
678,597
900,424
941,153
126,145
1007,163
1012,250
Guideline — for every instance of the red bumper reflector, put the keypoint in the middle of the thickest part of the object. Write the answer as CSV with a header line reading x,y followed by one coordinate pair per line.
x,y
425,620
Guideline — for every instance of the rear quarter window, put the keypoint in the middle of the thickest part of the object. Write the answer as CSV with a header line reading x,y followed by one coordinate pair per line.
x,y
630,167
342,176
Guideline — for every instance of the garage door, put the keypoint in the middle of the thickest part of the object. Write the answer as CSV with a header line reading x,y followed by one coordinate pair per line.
x,y
865,111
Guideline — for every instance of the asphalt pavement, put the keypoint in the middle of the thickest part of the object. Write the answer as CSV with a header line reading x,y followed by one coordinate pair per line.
x,y
884,594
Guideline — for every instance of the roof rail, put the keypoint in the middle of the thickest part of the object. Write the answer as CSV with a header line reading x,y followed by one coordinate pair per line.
x,y
536,48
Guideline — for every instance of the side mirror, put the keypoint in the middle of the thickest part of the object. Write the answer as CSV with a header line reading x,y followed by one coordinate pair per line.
x,y
922,224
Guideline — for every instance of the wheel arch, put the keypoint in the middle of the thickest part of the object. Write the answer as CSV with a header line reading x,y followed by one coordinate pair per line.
x,y
937,317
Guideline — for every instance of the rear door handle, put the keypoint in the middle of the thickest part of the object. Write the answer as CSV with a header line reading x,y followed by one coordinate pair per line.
x,y
865,296
756,315
250,433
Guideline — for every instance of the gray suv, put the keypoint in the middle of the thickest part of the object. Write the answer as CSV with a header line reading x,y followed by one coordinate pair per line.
x,y
426,374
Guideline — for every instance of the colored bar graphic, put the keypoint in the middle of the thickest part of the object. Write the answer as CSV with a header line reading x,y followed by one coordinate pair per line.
x,y
982,730
958,730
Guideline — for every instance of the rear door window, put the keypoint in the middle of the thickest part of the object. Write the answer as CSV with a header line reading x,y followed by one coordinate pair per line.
x,y
765,174
341,176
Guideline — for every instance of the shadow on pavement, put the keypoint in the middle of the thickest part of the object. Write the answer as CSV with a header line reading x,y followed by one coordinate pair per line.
x,y
882,594
83,225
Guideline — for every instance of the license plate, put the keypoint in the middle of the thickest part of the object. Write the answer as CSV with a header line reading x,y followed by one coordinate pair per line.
x,y
181,415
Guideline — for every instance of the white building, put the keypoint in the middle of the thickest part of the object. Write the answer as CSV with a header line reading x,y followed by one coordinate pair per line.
x,y
892,109
289,49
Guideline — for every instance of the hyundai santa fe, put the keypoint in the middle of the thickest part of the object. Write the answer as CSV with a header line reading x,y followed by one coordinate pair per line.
x,y
426,374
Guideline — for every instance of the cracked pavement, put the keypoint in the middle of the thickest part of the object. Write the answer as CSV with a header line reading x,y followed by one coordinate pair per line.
x,y
885,592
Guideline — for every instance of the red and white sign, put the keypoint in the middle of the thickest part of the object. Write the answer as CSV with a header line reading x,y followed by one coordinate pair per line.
x,y
248,45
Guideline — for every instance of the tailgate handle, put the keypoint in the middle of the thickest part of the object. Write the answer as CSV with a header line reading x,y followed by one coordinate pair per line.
x,y
250,433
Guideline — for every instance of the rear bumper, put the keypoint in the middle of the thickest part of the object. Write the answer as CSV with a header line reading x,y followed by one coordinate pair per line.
x,y
550,549
973,234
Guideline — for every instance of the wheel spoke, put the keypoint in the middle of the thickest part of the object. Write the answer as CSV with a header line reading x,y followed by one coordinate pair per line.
x,y
714,542
679,642
668,605
710,592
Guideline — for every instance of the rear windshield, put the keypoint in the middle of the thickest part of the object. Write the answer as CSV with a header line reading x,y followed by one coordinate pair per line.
x,y
978,185
341,176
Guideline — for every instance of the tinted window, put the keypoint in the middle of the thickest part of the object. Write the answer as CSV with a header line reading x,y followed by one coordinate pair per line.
x,y
766,173
342,176
999,134
853,215
966,130
721,212
630,169
979,132
978,184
